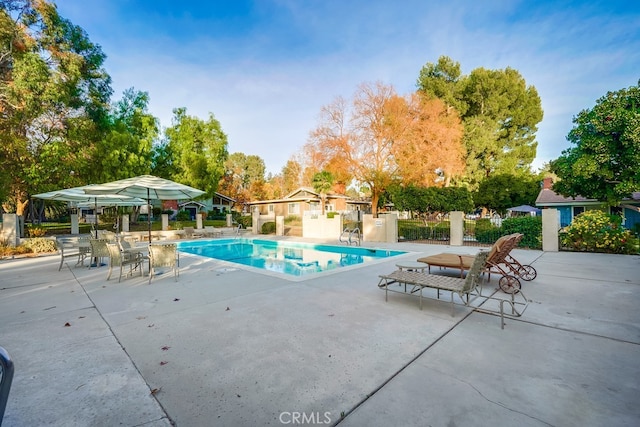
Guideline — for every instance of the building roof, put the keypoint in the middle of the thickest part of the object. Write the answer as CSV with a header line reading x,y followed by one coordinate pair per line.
x,y
548,197
222,196
302,194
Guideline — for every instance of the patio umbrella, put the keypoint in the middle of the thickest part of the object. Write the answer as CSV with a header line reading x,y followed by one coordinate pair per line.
x,y
147,187
78,195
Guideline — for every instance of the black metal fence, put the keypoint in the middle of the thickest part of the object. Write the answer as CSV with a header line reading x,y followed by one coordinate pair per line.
x,y
482,232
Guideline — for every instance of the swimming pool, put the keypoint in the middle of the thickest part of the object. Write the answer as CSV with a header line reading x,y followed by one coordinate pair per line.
x,y
293,258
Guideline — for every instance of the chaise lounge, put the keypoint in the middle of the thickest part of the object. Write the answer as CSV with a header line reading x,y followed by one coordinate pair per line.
x,y
418,280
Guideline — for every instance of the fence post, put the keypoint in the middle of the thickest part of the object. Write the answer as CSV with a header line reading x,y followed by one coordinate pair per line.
x,y
456,222
11,229
279,225
75,226
550,227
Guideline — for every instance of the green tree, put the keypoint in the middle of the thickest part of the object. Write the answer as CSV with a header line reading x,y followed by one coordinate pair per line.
x,y
199,150
503,191
603,162
499,111
54,98
322,183
427,200
244,175
127,148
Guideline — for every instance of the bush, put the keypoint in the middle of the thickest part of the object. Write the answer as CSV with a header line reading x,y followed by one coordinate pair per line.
x,y
246,221
413,231
529,226
268,228
293,220
40,245
216,215
486,232
34,231
183,216
596,231
441,231
6,250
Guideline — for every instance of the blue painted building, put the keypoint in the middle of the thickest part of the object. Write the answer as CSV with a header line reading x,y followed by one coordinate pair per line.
x,y
570,207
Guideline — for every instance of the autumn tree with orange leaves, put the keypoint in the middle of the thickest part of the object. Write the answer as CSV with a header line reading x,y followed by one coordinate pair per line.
x,y
381,138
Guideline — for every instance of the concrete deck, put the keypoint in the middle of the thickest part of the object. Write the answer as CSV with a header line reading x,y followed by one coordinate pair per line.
x,y
230,346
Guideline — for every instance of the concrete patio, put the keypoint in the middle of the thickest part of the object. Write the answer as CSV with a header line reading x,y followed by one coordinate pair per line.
x,y
230,346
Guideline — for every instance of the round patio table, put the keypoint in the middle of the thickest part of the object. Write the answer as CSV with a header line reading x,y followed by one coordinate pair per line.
x,y
412,266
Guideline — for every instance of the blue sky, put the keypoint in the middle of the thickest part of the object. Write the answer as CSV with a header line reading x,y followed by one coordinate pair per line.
x,y
264,68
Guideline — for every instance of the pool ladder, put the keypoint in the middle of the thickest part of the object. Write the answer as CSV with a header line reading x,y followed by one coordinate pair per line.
x,y
351,235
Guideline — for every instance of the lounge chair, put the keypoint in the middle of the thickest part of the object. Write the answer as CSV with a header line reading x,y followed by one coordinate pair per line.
x,y
118,258
499,261
419,280
210,231
191,233
462,261
163,255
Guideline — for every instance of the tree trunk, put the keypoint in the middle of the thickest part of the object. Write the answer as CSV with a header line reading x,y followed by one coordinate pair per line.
x,y
21,207
374,203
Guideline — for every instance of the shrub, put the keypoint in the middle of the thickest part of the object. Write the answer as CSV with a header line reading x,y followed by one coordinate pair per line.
x,y
413,231
529,226
486,232
268,227
246,221
596,231
441,231
331,215
183,216
293,220
40,245
34,231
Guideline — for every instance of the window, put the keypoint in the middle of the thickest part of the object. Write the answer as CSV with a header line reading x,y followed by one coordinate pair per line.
x,y
577,210
270,209
294,208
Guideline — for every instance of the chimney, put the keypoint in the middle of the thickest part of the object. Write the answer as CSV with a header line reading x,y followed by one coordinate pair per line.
x,y
547,183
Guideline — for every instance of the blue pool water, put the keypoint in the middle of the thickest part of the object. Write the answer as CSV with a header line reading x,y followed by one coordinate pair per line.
x,y
297,259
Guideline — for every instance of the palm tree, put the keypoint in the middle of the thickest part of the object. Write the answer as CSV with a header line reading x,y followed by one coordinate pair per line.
x,y
322,182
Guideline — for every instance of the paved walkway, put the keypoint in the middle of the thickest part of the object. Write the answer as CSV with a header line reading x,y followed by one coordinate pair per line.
x,y
228,346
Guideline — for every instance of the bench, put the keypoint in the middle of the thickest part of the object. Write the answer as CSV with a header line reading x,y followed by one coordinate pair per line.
x,y
419,280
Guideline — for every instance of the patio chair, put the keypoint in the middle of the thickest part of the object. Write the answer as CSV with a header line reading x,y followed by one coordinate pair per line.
x,y
6,377
98,251
110,236
118,258
163,256
72,248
